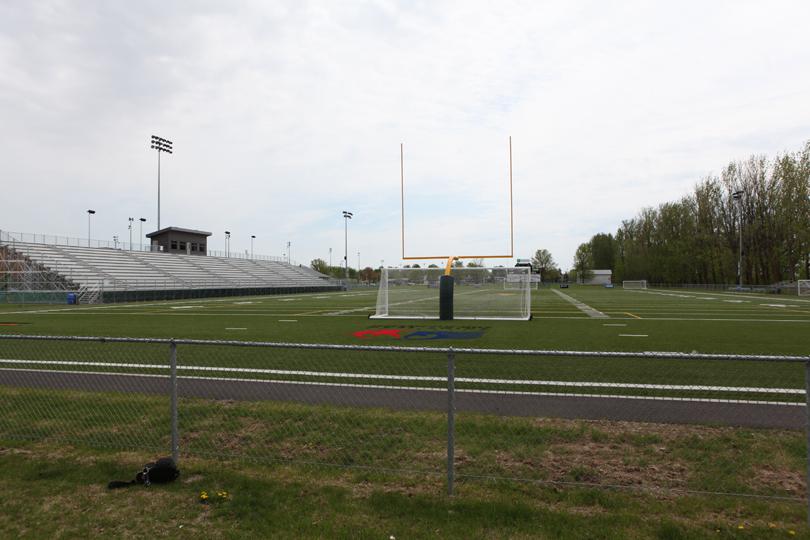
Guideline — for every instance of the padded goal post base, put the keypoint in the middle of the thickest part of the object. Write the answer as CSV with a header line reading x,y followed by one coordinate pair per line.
x,y
446,298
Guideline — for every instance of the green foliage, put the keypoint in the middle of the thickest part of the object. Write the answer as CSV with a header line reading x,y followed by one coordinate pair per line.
x,y
696,239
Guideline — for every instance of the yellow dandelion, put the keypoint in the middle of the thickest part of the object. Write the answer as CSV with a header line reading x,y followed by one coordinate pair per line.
x,y
740,526
792,533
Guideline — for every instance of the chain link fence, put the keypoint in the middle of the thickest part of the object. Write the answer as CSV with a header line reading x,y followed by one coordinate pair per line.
x,y
694,422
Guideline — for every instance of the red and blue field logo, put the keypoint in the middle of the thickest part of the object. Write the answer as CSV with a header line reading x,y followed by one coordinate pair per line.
x,y
421,333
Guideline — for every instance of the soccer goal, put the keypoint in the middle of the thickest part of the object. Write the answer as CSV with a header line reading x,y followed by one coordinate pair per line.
x,y
803,287
478,293
634,284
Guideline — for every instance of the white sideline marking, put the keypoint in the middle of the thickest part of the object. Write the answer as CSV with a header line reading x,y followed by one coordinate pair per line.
x,y
427,389
236,329
735,301
381,376
613,324
288,320
633,335
287,299
185,307
584,308
775,305
243,303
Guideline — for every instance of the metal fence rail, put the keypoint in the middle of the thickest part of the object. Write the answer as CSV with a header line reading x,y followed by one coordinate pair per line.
x,y
461,413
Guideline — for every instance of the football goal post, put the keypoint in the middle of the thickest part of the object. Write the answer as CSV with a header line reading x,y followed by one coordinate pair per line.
x,y
476,293
803,287
634,284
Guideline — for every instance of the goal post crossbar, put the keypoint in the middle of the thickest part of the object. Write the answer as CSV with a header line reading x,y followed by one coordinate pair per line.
x,y
803,287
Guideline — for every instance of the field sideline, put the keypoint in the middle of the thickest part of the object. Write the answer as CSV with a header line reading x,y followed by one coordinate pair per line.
x,y
665,319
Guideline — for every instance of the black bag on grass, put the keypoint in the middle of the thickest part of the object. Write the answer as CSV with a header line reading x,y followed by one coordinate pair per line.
x,y
161,471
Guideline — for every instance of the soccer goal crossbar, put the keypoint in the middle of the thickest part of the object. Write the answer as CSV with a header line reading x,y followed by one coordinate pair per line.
x,y
803,287
634,284
469,293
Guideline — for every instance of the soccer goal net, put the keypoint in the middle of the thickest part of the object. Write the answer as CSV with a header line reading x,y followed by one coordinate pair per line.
x,y
803,287
478,293
634,284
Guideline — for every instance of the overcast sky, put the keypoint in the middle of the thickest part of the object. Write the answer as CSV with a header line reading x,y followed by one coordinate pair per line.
x,y
283,114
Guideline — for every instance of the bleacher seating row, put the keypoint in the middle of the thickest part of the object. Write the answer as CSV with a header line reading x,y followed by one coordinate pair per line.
x,y
122,270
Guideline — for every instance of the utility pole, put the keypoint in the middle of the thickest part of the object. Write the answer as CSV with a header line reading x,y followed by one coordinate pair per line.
x,y
346,217
737,196
161,145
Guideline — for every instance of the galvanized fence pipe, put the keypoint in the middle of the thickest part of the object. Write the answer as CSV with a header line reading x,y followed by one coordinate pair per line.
x,y
451,419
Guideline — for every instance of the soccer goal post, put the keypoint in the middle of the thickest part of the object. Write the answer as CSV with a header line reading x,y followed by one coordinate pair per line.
x,y
634,284
477,293
803,287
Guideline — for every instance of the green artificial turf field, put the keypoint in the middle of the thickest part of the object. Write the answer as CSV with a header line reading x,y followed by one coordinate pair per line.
x,y
58,429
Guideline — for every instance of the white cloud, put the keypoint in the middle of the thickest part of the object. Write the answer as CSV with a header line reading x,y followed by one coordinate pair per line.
x,y
284,114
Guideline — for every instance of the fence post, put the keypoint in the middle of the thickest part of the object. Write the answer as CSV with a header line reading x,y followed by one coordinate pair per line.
x,y
807,429
451,419
173,391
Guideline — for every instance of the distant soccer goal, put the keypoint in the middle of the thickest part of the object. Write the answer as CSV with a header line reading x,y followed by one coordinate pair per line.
x,y
634,284
803,287
478,293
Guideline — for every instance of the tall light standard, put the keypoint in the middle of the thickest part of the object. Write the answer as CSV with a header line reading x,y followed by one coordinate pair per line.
x,y
130,232
115,241
227,243
358,263
330,257
737,196
346,217
289,252
252,238
161,145
89,213
142,220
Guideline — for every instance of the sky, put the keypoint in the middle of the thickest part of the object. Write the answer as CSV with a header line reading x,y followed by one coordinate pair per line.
x,y
284,114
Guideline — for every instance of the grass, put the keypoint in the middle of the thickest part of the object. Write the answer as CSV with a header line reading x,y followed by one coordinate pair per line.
x,y
49,438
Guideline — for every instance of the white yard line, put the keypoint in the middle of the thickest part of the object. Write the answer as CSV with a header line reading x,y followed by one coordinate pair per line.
x,y
471,391
584,308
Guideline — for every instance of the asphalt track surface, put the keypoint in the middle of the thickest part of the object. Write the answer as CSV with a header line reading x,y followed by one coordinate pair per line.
x,y
573,407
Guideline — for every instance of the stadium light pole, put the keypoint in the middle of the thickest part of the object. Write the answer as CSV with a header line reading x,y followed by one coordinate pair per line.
x,y
252,238
346,217
142,220
227,244
89,213
115,241
330,257
130,232
358,263
737,196
161,145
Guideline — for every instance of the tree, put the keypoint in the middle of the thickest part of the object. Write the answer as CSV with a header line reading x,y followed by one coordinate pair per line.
x,y
583,262
602,251
544,263
543,259
319,265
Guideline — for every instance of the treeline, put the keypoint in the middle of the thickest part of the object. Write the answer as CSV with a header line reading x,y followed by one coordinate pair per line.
x,y
696,239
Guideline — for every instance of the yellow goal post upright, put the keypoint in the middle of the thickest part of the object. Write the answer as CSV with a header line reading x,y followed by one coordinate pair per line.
x,y
479,300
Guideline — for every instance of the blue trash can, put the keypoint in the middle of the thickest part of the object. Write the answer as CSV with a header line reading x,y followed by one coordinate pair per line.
x,y
71,298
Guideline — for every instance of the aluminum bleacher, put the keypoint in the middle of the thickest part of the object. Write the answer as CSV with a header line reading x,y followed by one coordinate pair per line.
x,y
120,275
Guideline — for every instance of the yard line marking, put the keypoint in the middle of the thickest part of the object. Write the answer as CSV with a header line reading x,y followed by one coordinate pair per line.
x,y
288,320
584,308
633,335
617,324
236,329
634,316
244,303
185,307
288,299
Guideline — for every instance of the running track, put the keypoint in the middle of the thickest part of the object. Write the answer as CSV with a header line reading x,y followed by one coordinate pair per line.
x,y
590,408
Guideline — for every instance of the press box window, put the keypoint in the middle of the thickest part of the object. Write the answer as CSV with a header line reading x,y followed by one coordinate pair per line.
x,y
174,244
182,246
